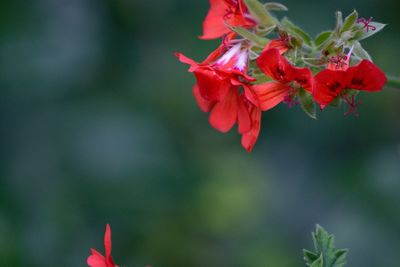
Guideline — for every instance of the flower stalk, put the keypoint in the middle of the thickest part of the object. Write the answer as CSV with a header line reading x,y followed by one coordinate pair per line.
x,y
393,82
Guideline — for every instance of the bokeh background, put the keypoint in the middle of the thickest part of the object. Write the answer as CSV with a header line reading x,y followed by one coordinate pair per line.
x,y
98,125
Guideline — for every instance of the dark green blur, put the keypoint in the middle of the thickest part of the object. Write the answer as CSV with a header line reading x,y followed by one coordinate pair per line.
x,y
98,125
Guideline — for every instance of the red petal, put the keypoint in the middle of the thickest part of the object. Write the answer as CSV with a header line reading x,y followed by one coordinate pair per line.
x,y
250,138
212,86
279,44
328,84
243,116
304,77
96,259
366,76
182,58
107,241
274,65
204,104
224,114
213,25
270,94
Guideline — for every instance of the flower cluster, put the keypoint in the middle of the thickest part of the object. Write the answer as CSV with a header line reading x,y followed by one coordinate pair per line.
x,y
263,61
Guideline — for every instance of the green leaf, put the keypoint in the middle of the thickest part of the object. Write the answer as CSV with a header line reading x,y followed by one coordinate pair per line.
x,y
258,11
322,37
259,41
349,21
325,255
307,103
362,33
296,30
273,6
360,52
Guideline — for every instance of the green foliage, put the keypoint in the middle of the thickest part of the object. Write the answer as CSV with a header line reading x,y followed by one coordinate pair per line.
x,y
258,40
325,254
321,38
295,30
349,21
360,52
362,33
259,12
273,6
307,103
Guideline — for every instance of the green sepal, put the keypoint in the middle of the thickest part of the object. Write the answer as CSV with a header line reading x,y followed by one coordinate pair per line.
x,y
260,13
318,263
339,23
349,21
314,62
273,6
361,33
263,30
360,52
307,103
254,38
297,31
322,38
336,102
309,256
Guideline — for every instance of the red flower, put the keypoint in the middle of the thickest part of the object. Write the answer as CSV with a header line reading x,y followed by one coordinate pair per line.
x,y
283,88
231,12
222,90
98,260
331,83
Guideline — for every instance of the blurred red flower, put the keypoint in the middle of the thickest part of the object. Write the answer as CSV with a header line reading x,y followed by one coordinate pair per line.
x,y
98,260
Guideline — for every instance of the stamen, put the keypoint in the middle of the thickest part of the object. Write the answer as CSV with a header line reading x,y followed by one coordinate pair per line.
x,y
290,98
340,61
352,105
366,23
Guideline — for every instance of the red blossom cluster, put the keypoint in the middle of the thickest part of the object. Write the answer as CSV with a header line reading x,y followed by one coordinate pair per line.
x,y
263,61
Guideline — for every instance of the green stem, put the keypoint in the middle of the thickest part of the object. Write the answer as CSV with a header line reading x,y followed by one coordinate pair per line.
x,y
393,82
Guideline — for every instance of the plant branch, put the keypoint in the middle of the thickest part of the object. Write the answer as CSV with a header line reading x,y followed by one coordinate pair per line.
x,y
393,82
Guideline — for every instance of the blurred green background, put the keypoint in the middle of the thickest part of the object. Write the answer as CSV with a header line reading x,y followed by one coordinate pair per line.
x,y
98,125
